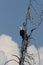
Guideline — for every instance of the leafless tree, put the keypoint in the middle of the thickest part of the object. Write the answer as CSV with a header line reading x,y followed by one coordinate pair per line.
x,y
27,38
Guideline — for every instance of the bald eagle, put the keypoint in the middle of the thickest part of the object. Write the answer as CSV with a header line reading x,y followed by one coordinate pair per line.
x,y
22,32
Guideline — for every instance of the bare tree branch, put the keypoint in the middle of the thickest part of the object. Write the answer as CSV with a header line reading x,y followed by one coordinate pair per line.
x,y
27,62
16,56
10,61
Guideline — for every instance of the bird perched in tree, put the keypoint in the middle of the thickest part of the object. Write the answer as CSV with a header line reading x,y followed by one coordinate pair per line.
x,y
22,33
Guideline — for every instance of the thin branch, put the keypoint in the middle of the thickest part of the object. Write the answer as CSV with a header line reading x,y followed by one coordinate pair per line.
x,y
27,62
16,56
36,26
10,61
28,12
30,57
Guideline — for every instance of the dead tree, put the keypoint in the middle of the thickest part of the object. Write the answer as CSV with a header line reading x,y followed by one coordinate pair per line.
x,y
27,38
